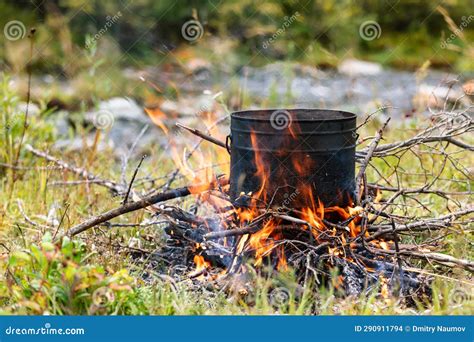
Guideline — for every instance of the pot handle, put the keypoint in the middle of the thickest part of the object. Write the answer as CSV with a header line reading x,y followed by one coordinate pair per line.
x,y
228,141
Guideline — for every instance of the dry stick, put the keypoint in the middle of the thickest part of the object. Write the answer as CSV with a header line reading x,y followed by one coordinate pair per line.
x,y
202,135
369,117
460,144
82,172
79,171
27,219
126,208
429,223
231,232
246,230
140,204
405,191
425,137
253,227
397,250
133,179
63,216
431,256
366,160
127,155
418,140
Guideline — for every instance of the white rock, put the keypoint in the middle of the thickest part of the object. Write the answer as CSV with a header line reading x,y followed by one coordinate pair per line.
x,y
33,109
355,67
121,108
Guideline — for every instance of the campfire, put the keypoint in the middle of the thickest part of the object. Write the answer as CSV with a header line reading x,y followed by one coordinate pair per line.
x,y
293,200
293,203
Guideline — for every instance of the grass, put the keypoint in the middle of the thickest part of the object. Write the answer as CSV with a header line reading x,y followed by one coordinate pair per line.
x,y
90,276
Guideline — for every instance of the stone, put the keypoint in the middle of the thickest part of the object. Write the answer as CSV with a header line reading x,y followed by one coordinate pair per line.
x,y
355,67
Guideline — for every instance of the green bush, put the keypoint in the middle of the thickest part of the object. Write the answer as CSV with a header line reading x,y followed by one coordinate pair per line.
x,y
54,278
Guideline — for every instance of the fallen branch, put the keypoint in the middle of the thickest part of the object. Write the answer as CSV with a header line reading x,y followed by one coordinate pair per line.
x,y
77,170
430,223
440,258
421,190
140,204
126,208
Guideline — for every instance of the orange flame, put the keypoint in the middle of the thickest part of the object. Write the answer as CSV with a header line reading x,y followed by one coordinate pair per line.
x,y
201,263
260,241
157,117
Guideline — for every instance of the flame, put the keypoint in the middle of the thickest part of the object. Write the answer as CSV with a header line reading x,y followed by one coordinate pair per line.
x,y
384,245
192,156
282,263
262,171
260,241
201,263
338,282
314,219
199,181
157,117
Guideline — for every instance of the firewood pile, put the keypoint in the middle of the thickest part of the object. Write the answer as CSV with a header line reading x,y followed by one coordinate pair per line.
x,y
378,242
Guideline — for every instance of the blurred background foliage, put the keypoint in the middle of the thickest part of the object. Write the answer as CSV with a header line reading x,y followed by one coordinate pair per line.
x,y
325,32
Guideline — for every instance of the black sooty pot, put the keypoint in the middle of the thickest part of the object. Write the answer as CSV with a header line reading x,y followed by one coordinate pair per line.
x,y
293,157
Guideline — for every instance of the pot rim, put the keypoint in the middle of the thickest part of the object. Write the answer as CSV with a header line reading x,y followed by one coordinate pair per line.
x,y
342,115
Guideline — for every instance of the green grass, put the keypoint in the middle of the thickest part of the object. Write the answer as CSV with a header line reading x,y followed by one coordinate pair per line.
x,y
89,275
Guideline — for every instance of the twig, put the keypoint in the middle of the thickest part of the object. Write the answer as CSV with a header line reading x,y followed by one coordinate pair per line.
x,y
202,135
133,179
79,171
430,223
127,155
366,160
404,191
126,208
440,258
29,220
397,250
369,117
61,221
232,232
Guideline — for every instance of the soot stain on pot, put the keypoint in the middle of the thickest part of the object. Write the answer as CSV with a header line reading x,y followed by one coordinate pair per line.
x,y
279,153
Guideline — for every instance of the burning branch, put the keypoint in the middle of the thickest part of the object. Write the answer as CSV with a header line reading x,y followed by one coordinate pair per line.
x,y
140,204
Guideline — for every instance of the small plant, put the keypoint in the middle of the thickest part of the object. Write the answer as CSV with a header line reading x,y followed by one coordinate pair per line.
x,y
53,278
